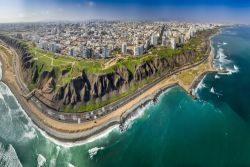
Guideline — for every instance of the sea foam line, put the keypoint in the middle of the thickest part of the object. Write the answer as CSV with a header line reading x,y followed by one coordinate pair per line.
x,y
103,134
9,157
93,151
93,138
138,112
200,86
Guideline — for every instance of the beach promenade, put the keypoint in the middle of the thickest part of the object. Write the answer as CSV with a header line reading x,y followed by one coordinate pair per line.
x,y
79,126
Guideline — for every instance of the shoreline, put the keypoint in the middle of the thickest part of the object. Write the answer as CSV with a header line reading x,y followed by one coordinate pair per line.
x,y
211,70
93,129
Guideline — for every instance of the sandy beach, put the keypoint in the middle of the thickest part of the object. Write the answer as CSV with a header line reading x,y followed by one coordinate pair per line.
x,y
75,132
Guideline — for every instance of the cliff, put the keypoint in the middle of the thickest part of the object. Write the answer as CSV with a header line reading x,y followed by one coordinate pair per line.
x,y
91,87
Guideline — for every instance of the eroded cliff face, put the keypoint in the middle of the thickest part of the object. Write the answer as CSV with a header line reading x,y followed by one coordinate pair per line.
x,y
87,87
150,68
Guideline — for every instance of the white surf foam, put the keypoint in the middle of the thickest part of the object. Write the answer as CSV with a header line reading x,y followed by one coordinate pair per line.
x,y
236,68
31,133
212,90
222,57
18,127
136,114
200,86
93,151
217,76
139,112
71,165
54,157
96,137
99,136
231,70
8,156
1,96
222,62
41,160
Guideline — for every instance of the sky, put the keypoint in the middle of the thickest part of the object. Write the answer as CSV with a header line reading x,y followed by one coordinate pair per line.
x,y
222,11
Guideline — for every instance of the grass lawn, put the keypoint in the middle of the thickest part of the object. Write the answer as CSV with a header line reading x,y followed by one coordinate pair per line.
x,y
67,68
7,53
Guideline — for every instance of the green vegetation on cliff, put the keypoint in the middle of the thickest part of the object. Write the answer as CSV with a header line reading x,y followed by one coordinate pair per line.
x,y
92,84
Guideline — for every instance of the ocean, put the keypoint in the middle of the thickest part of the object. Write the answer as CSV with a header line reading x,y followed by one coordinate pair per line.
x,y
213,131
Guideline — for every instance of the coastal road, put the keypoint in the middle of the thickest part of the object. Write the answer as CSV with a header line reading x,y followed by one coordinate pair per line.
x,y
76,118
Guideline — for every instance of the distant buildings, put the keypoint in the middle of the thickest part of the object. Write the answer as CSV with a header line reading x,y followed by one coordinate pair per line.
x,y
19,36
52,47
99,39
73,52
154,40
146,45
173,43
43,45
124,48
86,52
105,52
164,41
139,50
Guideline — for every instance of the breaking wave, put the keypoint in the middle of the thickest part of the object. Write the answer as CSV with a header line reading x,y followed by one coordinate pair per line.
x,y
199,87
139,112
41,160
217,76
13,117
231,70
212,90
8,157
70,165
221,57
93,151
221,62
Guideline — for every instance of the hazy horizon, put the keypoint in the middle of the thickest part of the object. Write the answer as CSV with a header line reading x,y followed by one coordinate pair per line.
x,y
221,11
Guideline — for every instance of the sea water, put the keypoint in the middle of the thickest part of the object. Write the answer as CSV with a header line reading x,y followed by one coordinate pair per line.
x,y
212,131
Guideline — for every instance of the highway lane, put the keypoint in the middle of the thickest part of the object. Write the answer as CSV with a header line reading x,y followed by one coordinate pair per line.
x,y
91,116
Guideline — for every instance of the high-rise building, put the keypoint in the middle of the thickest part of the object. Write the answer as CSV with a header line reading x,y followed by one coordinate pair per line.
x,y
154,40
136,51
52,47
19,36
43,45
147,44
173,43
164,41
124,48
87,53
181,39
73,52
105,52
139,50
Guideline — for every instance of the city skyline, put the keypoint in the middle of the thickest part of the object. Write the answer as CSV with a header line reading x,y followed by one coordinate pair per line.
x,y
224,11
